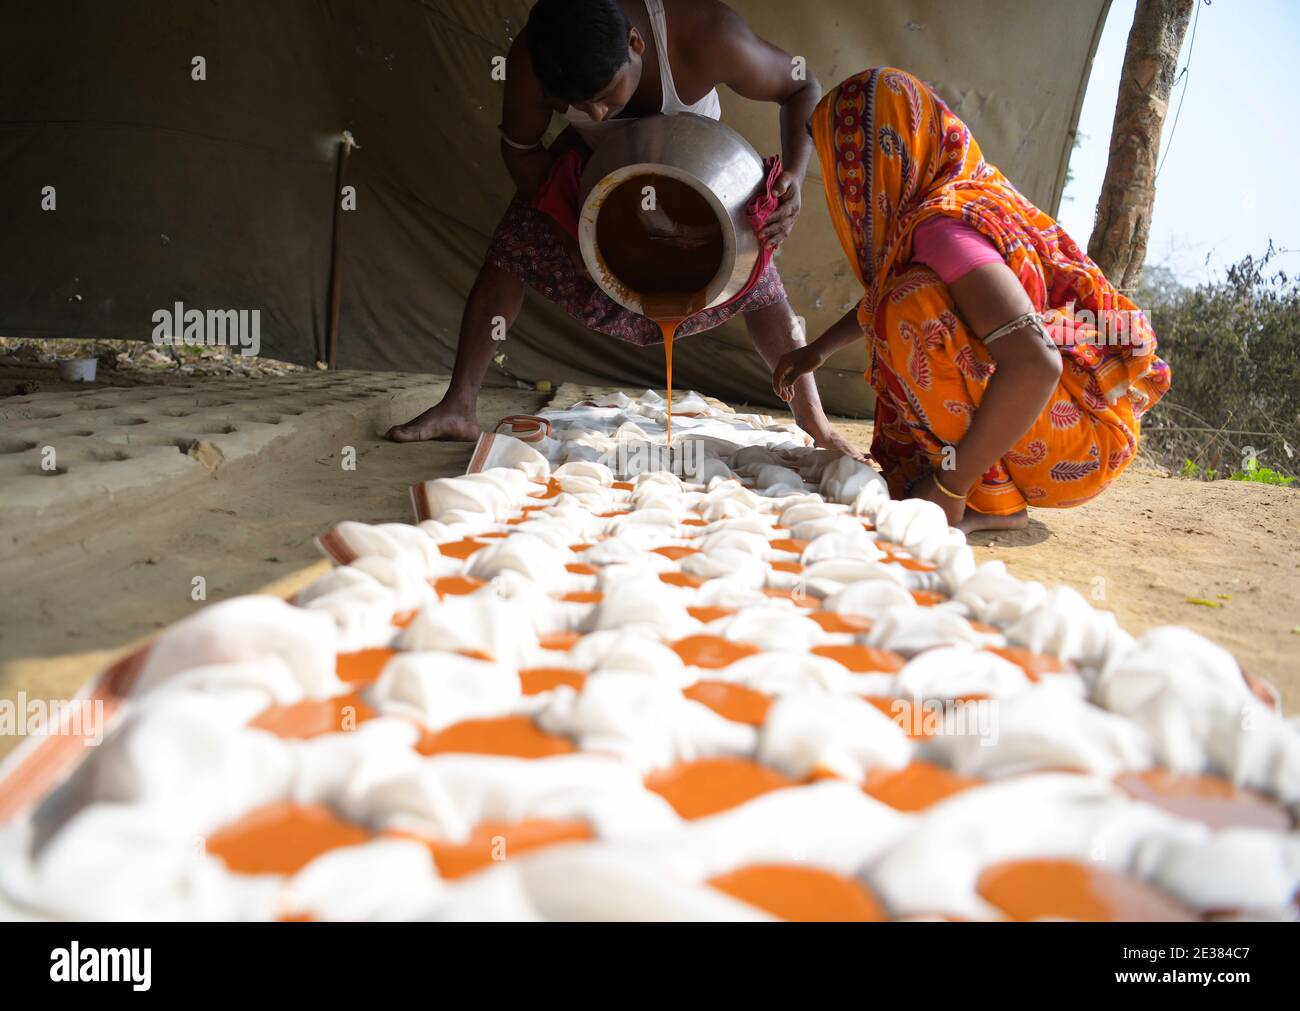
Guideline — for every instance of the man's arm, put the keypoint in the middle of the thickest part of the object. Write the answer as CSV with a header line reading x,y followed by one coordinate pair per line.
x,y
524,119
754,68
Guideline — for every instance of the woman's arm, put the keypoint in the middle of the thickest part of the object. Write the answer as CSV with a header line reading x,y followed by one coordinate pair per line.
x,y
1028,369
813,356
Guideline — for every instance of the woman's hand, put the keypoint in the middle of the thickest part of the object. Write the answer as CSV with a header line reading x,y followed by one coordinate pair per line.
x,y
926,488
792,366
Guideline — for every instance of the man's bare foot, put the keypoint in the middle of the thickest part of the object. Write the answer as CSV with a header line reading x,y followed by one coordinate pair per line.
x,y
438,422
974,521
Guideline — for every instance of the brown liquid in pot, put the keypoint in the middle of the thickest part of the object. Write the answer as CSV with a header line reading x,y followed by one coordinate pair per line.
x,y
665,254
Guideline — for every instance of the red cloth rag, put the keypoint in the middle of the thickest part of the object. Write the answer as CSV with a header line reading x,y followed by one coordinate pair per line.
x,y
761,207
558,196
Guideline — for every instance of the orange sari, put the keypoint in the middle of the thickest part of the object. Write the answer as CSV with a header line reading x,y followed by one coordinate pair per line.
x,y
892,155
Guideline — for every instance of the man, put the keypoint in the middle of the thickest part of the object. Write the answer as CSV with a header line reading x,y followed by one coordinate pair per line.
x,y
595,61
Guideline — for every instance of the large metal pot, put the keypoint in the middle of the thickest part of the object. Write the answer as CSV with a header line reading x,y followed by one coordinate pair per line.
x,y
712,159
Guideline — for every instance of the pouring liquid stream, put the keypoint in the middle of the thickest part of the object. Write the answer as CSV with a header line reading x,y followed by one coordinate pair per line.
x,y
668,312
669,328
668,319
662,241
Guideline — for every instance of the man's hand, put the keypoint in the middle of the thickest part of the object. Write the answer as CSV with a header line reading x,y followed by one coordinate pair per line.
x,y
779,226
793,365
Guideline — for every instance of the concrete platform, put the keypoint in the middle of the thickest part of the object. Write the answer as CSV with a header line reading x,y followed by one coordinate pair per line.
x,y
223,480
74,458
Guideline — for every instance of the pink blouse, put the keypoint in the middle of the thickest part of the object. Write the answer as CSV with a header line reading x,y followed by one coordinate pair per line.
x,y
951,248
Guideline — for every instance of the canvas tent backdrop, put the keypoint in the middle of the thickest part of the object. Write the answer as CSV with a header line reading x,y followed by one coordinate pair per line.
x,y
220,193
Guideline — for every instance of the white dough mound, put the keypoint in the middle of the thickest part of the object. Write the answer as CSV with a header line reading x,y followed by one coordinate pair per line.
x,y
746,565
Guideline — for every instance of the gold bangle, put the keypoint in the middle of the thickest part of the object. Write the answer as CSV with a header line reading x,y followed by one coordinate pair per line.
x,y
939,484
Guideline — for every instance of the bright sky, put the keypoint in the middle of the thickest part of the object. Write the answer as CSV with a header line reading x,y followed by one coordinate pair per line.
x,y
1230,181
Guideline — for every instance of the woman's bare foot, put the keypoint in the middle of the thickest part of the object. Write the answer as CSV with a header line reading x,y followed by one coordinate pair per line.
x,y
442,421
974,521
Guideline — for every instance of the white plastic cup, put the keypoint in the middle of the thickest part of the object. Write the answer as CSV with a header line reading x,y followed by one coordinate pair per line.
x,y
78,370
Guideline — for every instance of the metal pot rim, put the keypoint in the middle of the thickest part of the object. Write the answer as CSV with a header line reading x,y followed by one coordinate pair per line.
x,y
596,264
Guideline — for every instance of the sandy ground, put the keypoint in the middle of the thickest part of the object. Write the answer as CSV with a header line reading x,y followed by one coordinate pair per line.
x,y
1142,550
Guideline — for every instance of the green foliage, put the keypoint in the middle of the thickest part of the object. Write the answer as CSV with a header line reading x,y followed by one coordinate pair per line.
x,y
1079,138
1234,349
1264,475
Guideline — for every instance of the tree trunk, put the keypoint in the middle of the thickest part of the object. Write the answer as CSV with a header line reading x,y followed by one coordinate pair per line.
x,y
1119,236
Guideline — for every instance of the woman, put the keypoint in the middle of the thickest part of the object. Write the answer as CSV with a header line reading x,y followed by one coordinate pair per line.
x,y
1007,370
